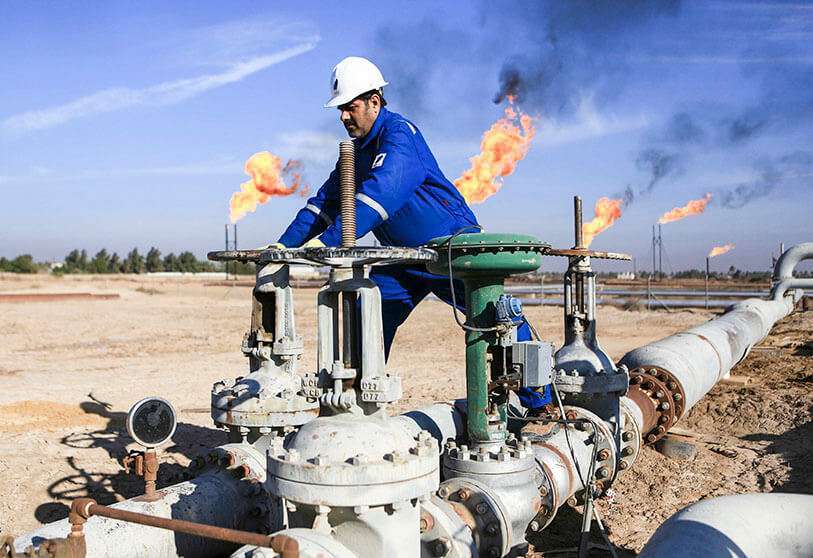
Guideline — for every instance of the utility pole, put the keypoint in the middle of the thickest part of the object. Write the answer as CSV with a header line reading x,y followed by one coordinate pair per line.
x,y
227,249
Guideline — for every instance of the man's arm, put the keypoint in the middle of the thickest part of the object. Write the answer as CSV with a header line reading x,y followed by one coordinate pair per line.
x,y
397,172
318,214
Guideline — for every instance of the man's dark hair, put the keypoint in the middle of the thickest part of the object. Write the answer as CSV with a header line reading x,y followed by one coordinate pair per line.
x,y
366,96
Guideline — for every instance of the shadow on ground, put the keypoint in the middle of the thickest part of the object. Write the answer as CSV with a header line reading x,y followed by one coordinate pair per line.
x,y
189,441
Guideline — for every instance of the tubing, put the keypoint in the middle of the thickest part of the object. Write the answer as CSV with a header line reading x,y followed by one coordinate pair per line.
x,y
213,499
783,271
347,192
764,525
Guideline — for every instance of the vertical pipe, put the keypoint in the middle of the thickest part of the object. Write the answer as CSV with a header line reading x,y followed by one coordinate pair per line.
x,y
654,269
234,228
227,249
577,219
480,313
660,252
347,192
707,282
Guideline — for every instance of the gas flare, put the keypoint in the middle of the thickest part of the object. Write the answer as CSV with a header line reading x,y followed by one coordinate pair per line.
x,y
608,211
720,250
502,147
267,179
694,207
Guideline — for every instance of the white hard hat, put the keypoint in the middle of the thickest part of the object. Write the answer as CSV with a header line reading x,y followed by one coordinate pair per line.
x,y
351,77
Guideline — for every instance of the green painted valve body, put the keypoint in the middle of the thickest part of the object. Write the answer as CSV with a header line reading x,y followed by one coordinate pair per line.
x,y
483,261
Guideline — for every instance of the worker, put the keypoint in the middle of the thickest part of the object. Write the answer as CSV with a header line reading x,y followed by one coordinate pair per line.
x,y
402,197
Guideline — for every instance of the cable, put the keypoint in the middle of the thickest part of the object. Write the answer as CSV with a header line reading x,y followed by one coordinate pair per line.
x,y
451,283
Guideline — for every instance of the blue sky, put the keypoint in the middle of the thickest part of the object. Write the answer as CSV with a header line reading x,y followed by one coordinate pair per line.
x,y
127,124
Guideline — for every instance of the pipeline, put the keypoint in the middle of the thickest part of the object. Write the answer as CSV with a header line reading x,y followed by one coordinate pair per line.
x,y
668,377
764,525
347,192
783,279
214,498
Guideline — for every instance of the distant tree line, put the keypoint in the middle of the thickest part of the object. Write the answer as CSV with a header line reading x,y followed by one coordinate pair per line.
x,y
21,264
77,261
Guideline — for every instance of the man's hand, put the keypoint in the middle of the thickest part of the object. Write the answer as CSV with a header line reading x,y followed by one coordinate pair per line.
x,y
314,243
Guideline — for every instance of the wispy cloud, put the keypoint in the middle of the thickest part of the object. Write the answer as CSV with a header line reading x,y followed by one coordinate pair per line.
x,y
588,123
166,93
320,148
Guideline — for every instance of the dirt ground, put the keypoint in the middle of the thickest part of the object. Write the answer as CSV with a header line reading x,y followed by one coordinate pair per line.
x,y
69,371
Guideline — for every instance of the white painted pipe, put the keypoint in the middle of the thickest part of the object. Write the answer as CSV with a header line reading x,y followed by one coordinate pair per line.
x,y
213,498
703,355
783,278
743,526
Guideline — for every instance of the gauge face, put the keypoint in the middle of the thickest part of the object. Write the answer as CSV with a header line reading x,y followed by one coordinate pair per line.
x,y
151,421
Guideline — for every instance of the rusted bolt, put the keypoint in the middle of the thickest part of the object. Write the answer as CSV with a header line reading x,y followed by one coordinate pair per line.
x,y
493,528
543,490
646,385
627,451
441,547
651,438
604,454
677,397
626,436
464,494
427,522
602,473
671,386
571,415
572,502
623,465
481,508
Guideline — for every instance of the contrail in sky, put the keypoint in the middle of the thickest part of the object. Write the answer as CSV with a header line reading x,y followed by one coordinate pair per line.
x,y
166,93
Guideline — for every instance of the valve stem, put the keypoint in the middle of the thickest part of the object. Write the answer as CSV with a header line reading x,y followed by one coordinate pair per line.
x,y
347,192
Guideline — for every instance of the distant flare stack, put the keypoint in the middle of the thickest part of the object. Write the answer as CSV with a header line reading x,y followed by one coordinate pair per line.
x,y
720,250
694,207
503,146
267,179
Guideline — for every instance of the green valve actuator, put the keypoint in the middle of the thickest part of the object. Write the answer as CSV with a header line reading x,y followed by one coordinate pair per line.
x,y
483,261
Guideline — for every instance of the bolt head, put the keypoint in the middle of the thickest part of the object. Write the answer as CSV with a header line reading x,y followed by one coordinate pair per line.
x,y
534,526
464,494
626,436
623,465
444,491
481,508
493,528
441,547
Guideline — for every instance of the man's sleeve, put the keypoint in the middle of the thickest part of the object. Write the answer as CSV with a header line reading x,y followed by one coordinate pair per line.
x,y
396,173
318,214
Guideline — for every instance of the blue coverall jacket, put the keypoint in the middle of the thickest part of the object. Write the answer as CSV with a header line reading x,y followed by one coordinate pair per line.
x,y
405,200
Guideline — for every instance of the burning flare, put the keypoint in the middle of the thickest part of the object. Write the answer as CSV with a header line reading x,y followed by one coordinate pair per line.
x,y
266,172
694,207
607,212
720,250
502,147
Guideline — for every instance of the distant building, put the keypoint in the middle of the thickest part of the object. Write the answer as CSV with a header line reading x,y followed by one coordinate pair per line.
x,y
626,276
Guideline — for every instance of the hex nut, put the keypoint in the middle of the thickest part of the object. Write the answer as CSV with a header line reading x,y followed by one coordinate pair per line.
x,y
441,547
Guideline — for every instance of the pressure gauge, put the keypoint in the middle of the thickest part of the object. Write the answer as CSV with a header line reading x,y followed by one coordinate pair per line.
x,y
151,422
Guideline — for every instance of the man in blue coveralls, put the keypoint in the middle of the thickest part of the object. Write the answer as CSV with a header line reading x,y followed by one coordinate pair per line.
x,y
402,197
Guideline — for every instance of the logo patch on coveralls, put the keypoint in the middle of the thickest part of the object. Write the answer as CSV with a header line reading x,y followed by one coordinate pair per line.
x,y
379,160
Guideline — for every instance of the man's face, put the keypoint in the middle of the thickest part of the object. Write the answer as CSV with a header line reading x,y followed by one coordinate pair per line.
x,y
358,116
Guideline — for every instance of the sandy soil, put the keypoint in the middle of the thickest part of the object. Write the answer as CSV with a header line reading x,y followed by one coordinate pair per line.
x,y
69,371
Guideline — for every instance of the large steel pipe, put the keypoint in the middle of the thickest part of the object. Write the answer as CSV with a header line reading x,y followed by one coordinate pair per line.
x,y
783,279
764,525
214,499
669,376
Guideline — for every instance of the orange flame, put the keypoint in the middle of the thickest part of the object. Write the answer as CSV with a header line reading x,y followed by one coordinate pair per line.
x,y
266,172
502,147
608,212
720,250
694,207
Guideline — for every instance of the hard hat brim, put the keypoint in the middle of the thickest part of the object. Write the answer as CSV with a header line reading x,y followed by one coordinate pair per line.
x,y
338,100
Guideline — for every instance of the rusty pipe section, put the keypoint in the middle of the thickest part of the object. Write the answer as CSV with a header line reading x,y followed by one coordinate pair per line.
x,y
85,508
216,498
783,279
668,377
347,192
